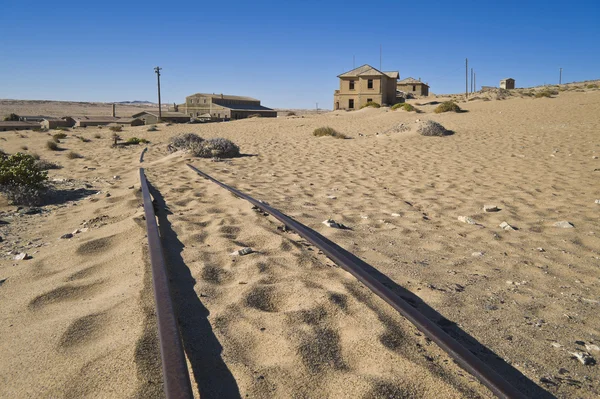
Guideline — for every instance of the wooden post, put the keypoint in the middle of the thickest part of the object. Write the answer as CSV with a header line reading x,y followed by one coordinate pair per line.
x,y
466,77
157,70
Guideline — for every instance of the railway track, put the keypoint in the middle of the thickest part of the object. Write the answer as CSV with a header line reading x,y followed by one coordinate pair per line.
x,y
175,373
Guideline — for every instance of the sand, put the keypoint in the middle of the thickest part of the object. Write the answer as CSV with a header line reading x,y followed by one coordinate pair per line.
x,y
78,321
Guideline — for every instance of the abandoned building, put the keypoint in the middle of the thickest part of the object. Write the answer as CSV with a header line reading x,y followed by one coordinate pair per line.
x,y
224,107
85,121
151,117
413,86
508,83
365,84
18,125
53,123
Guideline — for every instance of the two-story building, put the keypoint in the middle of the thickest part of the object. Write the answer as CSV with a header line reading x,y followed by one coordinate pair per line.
x,y
223,107
365,84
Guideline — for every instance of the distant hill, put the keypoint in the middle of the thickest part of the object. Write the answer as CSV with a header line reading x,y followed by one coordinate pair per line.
x,y
136,102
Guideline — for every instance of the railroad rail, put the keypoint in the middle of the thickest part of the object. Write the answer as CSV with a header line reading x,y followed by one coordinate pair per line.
x,y
358,268
176,378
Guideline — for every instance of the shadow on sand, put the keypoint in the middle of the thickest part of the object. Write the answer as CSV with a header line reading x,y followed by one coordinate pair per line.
x,y
203,349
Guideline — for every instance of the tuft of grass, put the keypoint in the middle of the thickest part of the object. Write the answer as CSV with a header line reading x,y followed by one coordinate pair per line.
x,y
97,136
116,129
291,113
74,155
215,148
328,131
545,93
592,86
447,106
43,164
404,106
52,145
83,139
59,136
24,147
135,140
372,104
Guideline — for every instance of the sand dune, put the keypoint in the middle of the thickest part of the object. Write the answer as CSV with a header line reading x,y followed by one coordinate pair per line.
x,y
285,321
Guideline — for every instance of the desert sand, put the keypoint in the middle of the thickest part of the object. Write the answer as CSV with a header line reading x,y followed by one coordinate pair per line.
x,y
77,319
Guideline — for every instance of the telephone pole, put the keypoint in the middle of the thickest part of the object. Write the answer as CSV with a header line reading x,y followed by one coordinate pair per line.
x,y
466,77
157,70
560,77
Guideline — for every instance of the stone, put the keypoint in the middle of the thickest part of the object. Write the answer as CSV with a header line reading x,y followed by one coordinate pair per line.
x,y
65,236
506,226
584,358
107,195
22,256
477,254
597,201
540,249
396,215
131,187
466,219
331,197
564,224
116,177
30,211
556,345
333,224
491,208
243,251
591,347
595,157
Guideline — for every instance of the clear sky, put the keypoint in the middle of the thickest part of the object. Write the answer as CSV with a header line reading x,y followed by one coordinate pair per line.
x,y
286,53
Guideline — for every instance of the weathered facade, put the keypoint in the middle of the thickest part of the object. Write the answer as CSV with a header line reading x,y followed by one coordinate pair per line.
x,y
85,121
53,123
151,117
413,86
365,84
18,125
224,107
508,83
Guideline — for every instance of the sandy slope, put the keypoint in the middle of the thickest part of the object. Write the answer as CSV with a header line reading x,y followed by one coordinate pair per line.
x,y
285,322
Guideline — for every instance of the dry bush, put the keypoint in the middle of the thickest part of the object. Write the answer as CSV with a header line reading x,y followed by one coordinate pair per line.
x,y
21,180
74,155
59,136
83,139
185,140
43,164
24,147
404,106
328,131
52,145
215,148
447,106
431,128
97,136
592,86
116,129
291,113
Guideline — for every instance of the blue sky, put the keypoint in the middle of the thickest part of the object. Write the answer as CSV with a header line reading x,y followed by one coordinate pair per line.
x,y
287,54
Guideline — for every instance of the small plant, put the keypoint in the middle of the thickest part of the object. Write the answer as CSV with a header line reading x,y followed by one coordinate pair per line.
x,y
11,117
33,154
543,93
447,106
135,140
116,129
74,155
184,141
153,128
328,131
83,139
291,113
215,148
52,145
21,180
372,104
43,164
405,106
24,147
431,128
59,136
97,136
592,86
115,138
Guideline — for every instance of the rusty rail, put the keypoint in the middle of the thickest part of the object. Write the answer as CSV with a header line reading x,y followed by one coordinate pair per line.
x,y
357,267
176,378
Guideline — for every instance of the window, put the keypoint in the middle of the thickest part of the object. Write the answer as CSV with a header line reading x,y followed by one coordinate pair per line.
x,y
350,104
369,100
351,85
370,84
414,88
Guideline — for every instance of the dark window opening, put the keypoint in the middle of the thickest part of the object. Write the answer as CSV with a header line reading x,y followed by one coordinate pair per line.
x,y
351,85
350,103
370,84
369,100
414,88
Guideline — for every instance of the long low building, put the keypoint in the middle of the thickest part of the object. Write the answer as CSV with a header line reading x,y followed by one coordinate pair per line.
x,y
84,121
224,107
53,123
18,125
151,117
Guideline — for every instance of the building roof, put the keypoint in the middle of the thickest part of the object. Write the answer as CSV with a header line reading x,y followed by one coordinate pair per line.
x,y
367,70
164,114
104,119
245,107
224,96
18,124
506,79
411,81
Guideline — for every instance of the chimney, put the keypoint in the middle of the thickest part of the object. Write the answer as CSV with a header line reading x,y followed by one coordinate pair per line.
x,y
221,96
419,79
114,110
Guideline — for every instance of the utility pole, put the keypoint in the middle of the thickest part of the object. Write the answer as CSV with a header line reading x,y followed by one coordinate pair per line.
x,y
560,77
157,70
466,77
317,108
471,80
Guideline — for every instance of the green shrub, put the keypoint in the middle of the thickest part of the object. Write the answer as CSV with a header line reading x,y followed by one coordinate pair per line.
x,y
21,180
371,104
328,131
405,106
52,145
74,155
135,140
447,106
11,117
116,129
592,86
543,93
215,148
185,140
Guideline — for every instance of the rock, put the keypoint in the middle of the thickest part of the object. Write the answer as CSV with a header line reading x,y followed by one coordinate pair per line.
x,y
116,177
466,219
107,195
564,225
22,256
597,201
506,226
331,197
584,358
3,280
131,187
491,208
592,347
242,252
333,224
1,239
556,345
595,157
396,215
477,254
30,211
68,235
540,249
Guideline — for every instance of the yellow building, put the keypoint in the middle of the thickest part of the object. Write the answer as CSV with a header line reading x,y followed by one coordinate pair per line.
x,y
365,84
